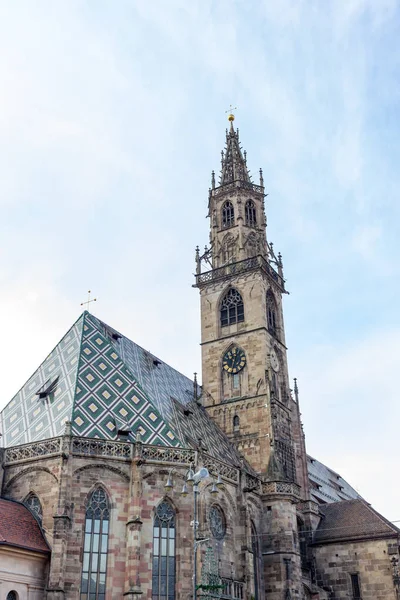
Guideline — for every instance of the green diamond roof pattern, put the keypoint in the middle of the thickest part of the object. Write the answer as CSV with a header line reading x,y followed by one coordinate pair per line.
x,y
104,379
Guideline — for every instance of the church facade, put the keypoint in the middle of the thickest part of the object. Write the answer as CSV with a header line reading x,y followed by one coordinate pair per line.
x,y
144,484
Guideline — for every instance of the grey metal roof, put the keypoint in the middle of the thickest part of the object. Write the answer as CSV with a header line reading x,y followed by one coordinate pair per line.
x,y
327,486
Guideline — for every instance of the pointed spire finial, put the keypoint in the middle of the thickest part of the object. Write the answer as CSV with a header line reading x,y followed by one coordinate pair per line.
x,y
213,180
261,178
296,389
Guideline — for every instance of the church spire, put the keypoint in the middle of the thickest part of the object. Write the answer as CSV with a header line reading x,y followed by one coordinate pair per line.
x,y
233,163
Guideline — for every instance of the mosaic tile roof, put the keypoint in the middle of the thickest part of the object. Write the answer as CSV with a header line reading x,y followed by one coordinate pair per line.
x,y
104,384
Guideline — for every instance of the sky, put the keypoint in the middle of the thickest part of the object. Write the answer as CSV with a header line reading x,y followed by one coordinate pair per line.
x,y
112,117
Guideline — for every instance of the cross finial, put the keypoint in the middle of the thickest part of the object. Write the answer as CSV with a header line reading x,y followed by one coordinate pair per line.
x,y
88,301
231,116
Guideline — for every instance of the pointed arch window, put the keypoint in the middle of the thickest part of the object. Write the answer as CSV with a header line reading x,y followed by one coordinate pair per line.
x,y
94,568
163,583
256,560
228,215
250,213
34,505
272,314
232,309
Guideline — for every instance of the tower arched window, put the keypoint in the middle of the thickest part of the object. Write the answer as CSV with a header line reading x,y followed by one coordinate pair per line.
x,y
228,215
12,595
232,309
163,583
95,548
33,503
272,314
236,423
250,213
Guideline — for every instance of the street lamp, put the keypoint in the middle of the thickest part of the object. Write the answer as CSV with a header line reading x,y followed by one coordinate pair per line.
x,y
194,480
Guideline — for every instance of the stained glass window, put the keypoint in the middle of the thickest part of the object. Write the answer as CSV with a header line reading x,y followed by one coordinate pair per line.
x,y
33,503
94,568
250,213
228,215
217,522
232,309
163,584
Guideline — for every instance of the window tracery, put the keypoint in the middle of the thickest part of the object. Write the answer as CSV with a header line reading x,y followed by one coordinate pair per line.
x,y
228,249
95,549
250,214
272,314
217,522
34,505
232,308
163,578
228,215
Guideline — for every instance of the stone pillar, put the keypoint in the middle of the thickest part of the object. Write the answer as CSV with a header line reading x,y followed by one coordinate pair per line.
x,y
62,524
279,547
134,529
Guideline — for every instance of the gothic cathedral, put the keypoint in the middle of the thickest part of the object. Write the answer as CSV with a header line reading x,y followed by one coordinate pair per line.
x,y
121,478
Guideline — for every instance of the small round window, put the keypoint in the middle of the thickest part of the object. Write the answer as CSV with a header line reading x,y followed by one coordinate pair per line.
x,y
217,522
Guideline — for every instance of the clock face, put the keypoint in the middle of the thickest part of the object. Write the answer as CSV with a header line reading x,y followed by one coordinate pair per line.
x,y
234,360
274,360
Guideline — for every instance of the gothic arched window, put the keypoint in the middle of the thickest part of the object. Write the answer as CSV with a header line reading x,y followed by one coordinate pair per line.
x,y
12,595
163,583
250,213
33,503
232,309
228,215
256,558
95,548
236,423
272,314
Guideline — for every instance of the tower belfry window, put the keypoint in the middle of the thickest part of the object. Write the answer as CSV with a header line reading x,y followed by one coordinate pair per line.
x,y
250,214
228,215
232,309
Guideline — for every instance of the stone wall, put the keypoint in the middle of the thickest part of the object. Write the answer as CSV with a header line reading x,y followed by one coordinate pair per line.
x,y
24,572
370,559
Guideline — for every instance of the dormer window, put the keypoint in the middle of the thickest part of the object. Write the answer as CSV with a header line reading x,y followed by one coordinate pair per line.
x,y
250,213
228,215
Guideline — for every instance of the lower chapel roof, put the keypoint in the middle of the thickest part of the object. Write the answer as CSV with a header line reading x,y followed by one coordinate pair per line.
x,y
103,383
352,520
19,528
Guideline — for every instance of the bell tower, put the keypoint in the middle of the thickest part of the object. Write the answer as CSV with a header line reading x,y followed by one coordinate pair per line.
x,y
245,382
244,365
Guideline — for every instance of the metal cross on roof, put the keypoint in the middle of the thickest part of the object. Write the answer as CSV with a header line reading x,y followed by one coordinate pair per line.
x,y
88,301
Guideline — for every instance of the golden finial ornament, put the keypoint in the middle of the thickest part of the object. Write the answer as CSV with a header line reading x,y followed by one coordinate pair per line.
x,y
231,116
